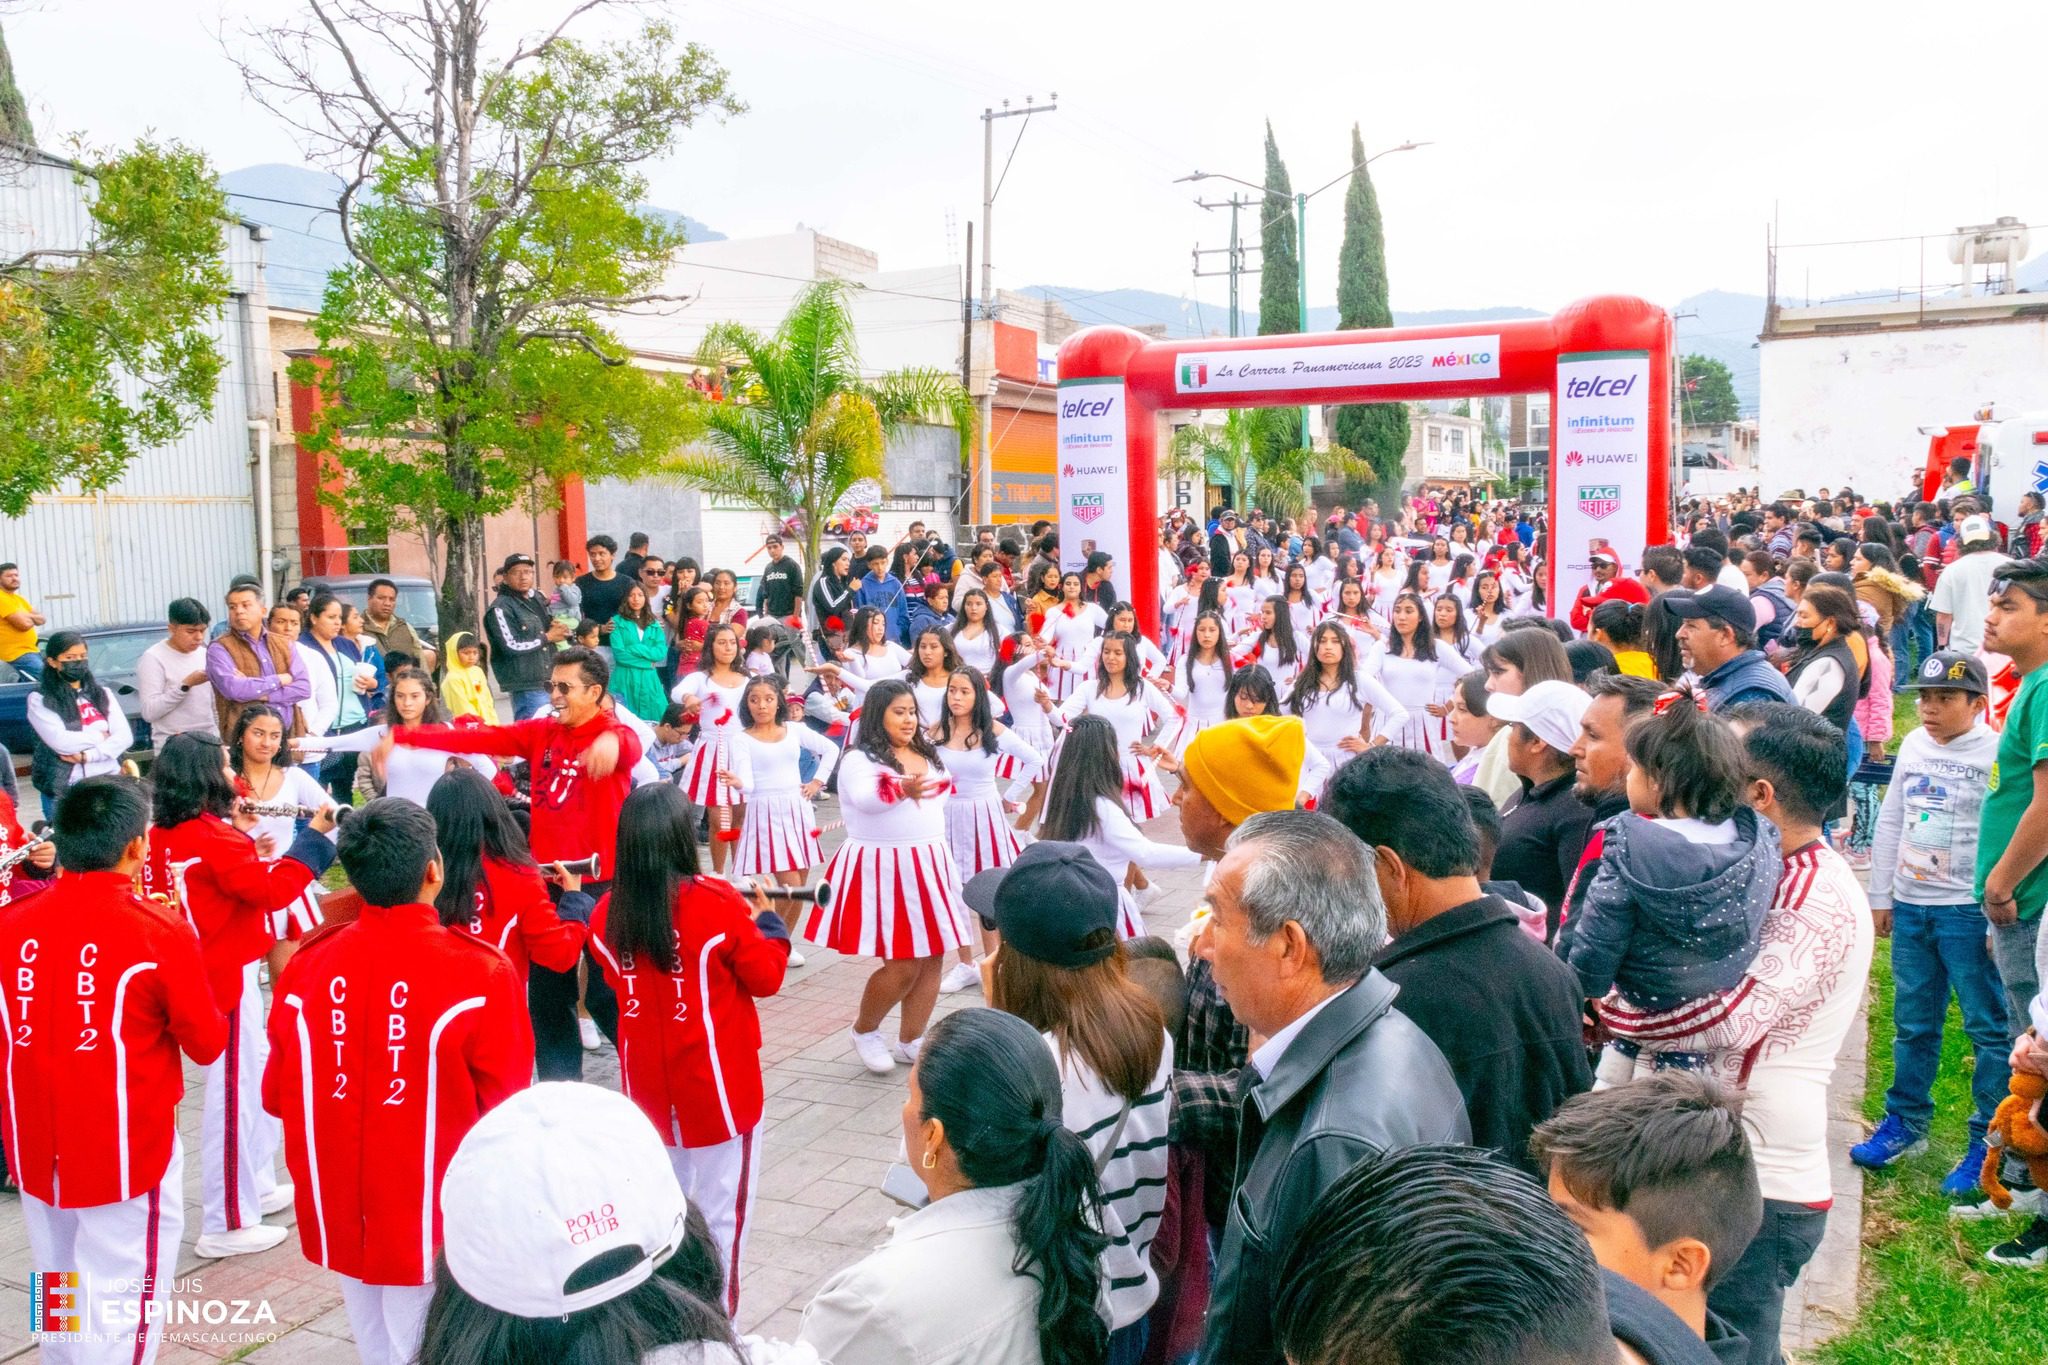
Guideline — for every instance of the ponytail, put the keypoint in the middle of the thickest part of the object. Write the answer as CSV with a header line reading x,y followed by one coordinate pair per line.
x,y
1058,1245
990,1079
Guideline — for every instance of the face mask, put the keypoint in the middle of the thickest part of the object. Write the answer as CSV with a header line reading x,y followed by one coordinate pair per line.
x,y
77,670
1802,636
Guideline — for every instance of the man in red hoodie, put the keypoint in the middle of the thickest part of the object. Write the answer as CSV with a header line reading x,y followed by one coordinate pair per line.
x,y
99,992
390,1036
1608,585
580,760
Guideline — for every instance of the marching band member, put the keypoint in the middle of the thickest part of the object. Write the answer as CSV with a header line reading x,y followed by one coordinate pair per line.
x,y
712,694
896,895
1343,711
1135,708
974,742
491,888
23,880
779,837
687,959
581,760
93,1093
212,870
1086,806
392,1035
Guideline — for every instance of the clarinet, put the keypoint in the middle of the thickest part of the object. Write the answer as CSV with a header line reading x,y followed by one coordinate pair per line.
x,y
291,810
16,857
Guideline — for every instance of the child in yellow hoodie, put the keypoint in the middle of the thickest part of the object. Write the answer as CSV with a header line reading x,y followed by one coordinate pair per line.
x,y
465,691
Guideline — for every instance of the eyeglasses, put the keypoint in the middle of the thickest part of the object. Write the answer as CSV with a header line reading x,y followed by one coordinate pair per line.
x,y
556,689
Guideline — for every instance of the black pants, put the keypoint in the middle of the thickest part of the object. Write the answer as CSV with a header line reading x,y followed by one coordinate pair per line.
x,y
551,1003
1751,1297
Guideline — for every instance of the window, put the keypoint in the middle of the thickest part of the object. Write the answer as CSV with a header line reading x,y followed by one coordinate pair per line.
x,y
368,552
1539,420
1457,440
1436,439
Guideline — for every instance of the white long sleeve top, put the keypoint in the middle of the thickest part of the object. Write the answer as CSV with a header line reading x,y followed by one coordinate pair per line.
x,y
1118,842
876,811
409,773
1925,847
974,768
1330,716
978,652
102,736
1133,714
168,706
323,703
760,767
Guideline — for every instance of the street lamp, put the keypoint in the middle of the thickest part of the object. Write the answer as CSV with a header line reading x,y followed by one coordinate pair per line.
x,y
1301,226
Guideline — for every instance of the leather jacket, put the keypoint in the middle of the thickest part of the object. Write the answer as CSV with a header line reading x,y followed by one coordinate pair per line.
x,y
1359,1080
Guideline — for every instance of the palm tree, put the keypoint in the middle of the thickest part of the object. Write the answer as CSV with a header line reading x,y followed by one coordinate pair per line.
x,y
800,424
1252,452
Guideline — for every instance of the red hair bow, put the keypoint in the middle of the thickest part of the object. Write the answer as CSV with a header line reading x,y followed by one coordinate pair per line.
x,y
1008,652
1681,694
1037,622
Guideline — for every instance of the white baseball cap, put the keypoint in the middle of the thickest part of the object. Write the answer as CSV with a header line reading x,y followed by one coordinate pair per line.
x,y
1551,710
1972,529
558,1174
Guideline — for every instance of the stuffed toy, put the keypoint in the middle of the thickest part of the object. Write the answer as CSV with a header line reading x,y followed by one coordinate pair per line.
x,y
2017,1127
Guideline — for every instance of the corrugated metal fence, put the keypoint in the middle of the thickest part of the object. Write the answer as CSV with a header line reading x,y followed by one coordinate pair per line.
x,y
181,522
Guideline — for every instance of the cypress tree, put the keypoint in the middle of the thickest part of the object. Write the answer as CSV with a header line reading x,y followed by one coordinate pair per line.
x,y
1375,432
1279,270
14,120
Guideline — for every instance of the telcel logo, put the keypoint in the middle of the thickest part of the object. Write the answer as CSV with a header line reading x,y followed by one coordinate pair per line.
x,y
1085,407
1465,358
1600,386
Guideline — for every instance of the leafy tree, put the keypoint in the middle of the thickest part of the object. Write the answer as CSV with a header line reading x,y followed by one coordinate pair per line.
x,y
802,425
15,125
106,345
1707,392
1377,431
1279,277
489,210
1251,452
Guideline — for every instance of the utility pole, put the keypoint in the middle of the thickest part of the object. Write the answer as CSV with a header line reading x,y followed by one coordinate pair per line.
x,y
990,187
1235,252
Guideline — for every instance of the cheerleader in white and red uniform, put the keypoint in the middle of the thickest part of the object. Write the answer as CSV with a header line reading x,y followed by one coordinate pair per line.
x,y
933,661
688,958
1083,808
1187,601
1123,620
1026,697
1272,643
974,743
1419,670
977,636
1135,707
871,654
895,893
1070,628
1303,606
253,744
712,696
779,837
1342,710
1348,607
1201,680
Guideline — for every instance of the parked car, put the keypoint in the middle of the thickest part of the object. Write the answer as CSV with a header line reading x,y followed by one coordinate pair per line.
x,y
115,651
416,604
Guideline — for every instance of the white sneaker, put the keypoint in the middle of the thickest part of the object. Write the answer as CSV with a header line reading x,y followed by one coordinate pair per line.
x,y
592,1039
874,1051
961,976
213,1246
278,1200
1977,1206
796,959
906,1053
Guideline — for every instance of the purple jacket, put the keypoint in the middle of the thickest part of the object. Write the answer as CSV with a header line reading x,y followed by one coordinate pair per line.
x,y
228,681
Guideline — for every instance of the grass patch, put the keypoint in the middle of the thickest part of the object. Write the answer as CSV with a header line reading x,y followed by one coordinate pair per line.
x,y
1928,1296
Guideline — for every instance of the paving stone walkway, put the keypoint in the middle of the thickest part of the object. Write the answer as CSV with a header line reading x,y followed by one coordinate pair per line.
x,y
831,1131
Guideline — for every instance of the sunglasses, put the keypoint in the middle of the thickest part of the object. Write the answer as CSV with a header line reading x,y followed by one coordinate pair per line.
x,y
556,689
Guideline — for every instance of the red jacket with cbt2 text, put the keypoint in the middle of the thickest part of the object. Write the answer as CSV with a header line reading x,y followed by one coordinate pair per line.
x,y
574,814
514,915
689,1040
101,990
390,1036
211,871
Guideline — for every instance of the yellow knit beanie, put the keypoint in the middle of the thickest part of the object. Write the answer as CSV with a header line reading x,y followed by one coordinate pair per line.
x,y
1246,766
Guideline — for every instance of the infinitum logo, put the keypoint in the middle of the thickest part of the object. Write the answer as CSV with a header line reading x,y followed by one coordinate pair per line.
x,y
1600,422
1194,374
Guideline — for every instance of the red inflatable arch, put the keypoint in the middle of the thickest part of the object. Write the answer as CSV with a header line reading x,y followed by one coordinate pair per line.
x,y
1605,361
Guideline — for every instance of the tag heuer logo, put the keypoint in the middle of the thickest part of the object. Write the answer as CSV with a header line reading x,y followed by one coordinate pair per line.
x,y
1088,506
1599,500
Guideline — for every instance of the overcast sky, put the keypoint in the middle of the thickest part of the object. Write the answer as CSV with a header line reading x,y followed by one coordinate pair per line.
x,y
1578,148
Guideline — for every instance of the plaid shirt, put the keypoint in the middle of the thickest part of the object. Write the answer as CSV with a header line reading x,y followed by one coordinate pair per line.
x,y
1210,1056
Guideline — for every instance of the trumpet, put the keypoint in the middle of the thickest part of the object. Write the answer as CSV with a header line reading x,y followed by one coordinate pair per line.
x,y
585,868
38,836
819,895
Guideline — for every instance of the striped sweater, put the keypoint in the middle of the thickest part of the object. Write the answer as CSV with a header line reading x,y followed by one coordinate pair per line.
x,y
1133,1173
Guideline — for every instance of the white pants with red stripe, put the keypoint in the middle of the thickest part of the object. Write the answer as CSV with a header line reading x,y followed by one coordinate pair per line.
x,y
133,1242
387,1320
238,1142
719,1182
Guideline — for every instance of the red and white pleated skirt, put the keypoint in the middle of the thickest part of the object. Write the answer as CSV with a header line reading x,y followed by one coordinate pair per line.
x,y
702,785
980,833
779,834
891,901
